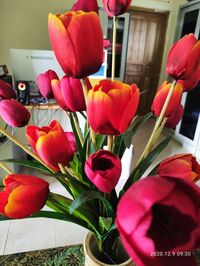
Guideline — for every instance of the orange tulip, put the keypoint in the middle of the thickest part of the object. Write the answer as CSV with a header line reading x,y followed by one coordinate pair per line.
x,y
116,7
23,195
52,144
111,106
184,57
181,165
161,96
77,41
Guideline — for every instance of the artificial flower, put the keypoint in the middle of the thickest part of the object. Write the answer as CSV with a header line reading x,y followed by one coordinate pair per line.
x,y
77,41
44,83
23,195
111,106
160,214
175,117
69,93
181,165
52,144
116,7
14,113
161,96
6,90
86,6
103,168
184,57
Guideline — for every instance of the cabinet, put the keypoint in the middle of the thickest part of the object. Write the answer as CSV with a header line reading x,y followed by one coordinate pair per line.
x,y
188,130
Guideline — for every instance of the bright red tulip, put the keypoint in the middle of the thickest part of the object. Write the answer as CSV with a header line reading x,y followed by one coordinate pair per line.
x,y
86,6
44,83
181,165
77,41
6,90
160,214
14,113
52,144
69,93
103,168
184,57
111,106
189,84
23,195
161,96
175,117
116,7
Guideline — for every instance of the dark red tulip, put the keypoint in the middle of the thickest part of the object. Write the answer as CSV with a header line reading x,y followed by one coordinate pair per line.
x,y
14,113
6,90
52,144
175,117
69,93
103,168
116,7
77,41
86,6
161,96
23,195
180,165
191,83
44,83
184,57
158,217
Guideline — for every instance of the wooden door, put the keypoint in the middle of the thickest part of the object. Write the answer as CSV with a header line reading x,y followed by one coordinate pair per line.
x,y
144,56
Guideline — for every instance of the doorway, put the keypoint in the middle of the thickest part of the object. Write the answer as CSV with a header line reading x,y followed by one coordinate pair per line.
x,y
144,54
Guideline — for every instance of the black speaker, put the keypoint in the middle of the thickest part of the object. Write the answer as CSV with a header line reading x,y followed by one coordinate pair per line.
x,y
23,91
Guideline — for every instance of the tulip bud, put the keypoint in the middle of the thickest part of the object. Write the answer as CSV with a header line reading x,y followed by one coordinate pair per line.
x,y
86,6
6,90
103,168
116,7
14,113
111,106
161,96
23,195
184,57
77,41
44,83
175,117
69,93
181,165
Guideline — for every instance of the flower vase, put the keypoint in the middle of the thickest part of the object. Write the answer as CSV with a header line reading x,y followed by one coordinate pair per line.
x,y
92,255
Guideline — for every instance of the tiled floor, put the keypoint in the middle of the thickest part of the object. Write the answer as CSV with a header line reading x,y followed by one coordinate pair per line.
x,y
40,233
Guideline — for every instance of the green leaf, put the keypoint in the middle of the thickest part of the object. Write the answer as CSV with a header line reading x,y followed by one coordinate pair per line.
x,y
105,223
31,164
143,166
88,196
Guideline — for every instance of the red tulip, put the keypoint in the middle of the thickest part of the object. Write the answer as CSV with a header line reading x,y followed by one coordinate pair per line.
x,y
23,195
161,96
103,168
14,113
181,165
6,90
44,83
111,106
116,7
175,117
69,93
52,144
189,84
86,6
184,57
158,217
77,41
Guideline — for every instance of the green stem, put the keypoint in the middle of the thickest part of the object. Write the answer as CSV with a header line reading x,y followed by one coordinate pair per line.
x,y
110,143
159,121
4,167
78,129
23,147
114,47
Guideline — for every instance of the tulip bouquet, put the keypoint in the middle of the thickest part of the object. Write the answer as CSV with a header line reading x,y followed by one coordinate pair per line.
x,y
157,217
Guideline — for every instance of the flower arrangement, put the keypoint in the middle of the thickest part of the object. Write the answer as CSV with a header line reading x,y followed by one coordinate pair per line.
x,y
156,217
